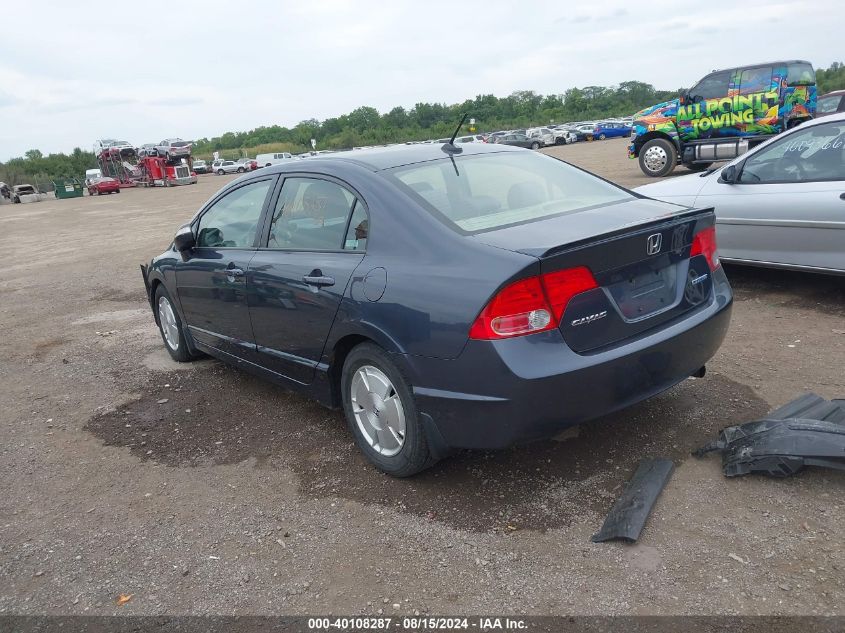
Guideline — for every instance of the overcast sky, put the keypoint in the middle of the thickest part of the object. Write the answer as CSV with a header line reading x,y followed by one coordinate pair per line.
x,y
73,72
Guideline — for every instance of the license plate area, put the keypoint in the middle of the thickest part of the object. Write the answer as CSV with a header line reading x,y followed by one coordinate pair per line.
x,y
646,288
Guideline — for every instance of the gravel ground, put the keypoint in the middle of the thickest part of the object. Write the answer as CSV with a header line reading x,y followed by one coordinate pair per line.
x,y
198,489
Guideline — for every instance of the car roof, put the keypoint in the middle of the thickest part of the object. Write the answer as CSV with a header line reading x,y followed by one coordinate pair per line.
x,y
833,93
380,158
757,65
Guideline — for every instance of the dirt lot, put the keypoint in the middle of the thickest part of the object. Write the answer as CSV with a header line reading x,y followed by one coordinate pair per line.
x,y
199,489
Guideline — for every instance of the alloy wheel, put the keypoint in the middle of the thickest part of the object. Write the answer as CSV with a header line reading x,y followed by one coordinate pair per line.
x,y
655,158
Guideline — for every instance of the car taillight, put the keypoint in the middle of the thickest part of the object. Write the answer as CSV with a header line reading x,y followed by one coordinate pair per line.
x,y
704,243
531,305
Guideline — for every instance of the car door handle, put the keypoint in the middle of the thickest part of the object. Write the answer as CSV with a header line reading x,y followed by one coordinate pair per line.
x,y
318,280
234,273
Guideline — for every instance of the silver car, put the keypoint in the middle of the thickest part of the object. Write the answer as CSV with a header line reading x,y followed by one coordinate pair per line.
x,y
221,167
174,148
781,205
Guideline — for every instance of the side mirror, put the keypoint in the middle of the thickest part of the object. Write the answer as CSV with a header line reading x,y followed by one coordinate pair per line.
x,y
730,174
184,239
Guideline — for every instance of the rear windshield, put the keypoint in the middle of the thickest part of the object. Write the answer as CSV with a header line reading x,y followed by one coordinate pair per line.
x,y
491,191
830,104
800,74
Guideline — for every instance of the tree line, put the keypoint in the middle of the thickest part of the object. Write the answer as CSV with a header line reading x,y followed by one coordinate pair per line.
x,y
367,126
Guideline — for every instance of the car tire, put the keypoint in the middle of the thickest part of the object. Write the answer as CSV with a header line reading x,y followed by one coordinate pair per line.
x,y
117,190
698,166
170,327
602,137
535,145
658,157
241,170
220,172
376,394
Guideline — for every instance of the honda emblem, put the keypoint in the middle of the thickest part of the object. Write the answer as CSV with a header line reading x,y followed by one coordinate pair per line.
x,y
653,243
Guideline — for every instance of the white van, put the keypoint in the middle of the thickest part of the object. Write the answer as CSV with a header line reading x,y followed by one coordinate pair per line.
x,y
90,174
265,160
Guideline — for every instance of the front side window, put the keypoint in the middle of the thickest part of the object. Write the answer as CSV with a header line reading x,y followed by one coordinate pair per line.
x,y
800,74
490,191
711,87
814,153
754,80
232,221
312,215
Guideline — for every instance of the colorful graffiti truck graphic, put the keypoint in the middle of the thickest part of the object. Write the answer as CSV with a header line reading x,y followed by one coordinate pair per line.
x,y
722,115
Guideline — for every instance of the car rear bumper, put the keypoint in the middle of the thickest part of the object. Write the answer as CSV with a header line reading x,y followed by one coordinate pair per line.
x,y
500,393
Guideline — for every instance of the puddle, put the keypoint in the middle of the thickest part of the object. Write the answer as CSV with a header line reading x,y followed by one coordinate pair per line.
x,y
215,414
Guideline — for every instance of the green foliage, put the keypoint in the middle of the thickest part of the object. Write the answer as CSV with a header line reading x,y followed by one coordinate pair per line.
x,y
39,170
365,126
830,79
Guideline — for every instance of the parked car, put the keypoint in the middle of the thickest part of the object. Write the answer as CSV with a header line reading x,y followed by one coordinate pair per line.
x,y
519,140
201,167
781,204
172,148
124,148
228,167
565,136
546,136
830,103
101,185
723,115
249,164
611,129
5,191
585,132
91,174
147,149
576,282
273,159
471,138
22,190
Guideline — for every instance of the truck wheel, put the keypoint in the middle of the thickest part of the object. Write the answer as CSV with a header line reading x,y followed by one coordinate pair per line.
x,y
658,157
698,166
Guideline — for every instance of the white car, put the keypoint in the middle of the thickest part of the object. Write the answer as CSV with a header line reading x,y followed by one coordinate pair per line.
x,y
780,205
546,136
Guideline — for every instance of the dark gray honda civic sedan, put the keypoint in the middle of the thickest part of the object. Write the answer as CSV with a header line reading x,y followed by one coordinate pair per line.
x,y
445,297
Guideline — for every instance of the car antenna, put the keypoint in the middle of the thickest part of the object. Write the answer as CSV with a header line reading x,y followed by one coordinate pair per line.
x,y
450,147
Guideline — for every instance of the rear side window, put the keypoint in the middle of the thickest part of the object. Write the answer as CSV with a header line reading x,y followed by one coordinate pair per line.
x,y
753,80
490,191
232,221
712,87
800,74
311,214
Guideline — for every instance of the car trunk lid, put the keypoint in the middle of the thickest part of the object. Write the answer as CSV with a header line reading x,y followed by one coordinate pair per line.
x,y
639,255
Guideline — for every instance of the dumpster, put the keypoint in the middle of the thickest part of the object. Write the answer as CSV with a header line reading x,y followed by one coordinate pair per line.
x,y
68,188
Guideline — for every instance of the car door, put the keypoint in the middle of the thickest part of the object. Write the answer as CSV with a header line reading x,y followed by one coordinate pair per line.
x,y
315,238
693,119
788,205
212,283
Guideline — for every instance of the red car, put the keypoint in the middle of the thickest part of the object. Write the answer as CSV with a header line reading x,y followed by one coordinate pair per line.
x,y
98,186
